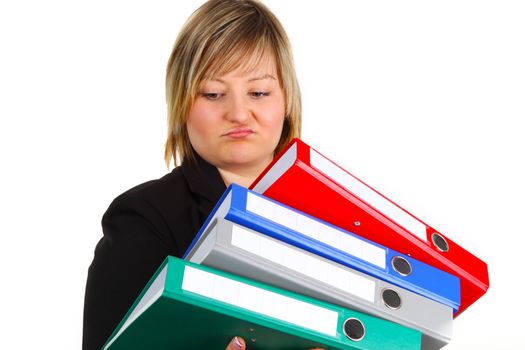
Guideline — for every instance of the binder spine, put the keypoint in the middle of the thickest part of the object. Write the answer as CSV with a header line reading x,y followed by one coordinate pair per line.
x,y
442,287
239,250
400,229
304,316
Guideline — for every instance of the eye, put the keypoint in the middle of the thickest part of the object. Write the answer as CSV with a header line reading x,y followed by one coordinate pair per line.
x,y
211,95
259,94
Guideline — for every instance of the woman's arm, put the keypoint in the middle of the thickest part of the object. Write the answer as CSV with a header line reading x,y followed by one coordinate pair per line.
x,y
130,251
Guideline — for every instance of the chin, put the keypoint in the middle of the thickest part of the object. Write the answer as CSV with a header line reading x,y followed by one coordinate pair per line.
x,y
246,158
242,159
244,154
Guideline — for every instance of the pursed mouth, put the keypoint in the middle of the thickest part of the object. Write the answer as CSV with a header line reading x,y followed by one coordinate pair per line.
x,y
239,132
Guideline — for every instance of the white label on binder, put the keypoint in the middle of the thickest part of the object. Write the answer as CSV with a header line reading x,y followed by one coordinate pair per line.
x,y
316,230
365,193
260,300
304,263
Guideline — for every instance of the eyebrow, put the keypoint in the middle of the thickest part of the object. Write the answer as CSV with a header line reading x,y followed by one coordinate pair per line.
x,y
266,76
262,77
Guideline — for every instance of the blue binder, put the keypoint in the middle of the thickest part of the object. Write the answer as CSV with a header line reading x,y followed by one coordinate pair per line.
x,y
281,222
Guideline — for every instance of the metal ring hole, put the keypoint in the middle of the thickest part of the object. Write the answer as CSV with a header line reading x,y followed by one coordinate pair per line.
x,y
440,242
401,266
354,329
391,298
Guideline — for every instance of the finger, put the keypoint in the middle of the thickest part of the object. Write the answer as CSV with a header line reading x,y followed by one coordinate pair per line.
x,y
237,343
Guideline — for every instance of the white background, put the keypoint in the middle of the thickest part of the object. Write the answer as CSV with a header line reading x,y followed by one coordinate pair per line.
x,y
422,100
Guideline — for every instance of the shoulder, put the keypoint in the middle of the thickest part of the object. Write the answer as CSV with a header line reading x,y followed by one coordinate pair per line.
x,y
147,211
170,209
158,193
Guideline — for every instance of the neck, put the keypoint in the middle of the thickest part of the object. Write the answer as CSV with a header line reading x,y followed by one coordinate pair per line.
x,y
244,177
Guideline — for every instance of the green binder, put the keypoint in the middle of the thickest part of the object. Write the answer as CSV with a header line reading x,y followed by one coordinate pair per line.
x,y
189,306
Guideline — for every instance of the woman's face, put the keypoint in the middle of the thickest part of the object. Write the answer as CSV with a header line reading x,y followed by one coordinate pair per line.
x,y
237,119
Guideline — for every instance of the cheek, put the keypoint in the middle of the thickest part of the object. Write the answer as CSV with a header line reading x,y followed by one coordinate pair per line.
x,y
277,125
274,119
199,122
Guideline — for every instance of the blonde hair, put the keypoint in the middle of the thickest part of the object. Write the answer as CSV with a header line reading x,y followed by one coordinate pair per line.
x,y
217,38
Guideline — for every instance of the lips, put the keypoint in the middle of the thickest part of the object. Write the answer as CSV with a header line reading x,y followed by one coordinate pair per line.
x,y
239,132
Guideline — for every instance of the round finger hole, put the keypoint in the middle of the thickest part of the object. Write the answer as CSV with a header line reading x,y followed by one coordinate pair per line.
x,y
354,329
401,266
440,242
391,298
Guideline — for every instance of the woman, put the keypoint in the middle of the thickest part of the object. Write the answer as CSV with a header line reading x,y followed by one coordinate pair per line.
x,y
233,103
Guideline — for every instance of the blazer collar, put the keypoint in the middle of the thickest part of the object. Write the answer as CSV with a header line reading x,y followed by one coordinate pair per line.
x,y
203,179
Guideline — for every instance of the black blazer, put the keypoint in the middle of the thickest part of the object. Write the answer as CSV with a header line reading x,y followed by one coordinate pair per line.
x,y
141,227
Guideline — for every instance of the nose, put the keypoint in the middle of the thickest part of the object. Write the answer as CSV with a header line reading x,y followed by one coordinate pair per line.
x,y
238,109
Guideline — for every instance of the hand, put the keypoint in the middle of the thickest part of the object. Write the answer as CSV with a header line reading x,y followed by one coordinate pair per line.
x,y
237,343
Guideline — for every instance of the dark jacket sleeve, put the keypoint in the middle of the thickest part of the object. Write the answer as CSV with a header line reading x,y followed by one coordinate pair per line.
x,y
132,248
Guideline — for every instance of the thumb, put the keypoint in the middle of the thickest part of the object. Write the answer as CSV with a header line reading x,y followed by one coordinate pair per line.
x,y
237,343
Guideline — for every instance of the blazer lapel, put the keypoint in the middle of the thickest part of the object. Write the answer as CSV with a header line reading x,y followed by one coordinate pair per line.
x,y
205,183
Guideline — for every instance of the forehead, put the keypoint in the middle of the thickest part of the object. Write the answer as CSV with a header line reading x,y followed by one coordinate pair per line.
x,y
243,64
262,71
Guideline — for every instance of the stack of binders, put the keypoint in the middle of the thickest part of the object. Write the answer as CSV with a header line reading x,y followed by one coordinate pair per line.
x,y
310,256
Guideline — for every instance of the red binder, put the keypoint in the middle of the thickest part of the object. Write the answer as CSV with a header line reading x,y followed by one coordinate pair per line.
x,y
306,180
